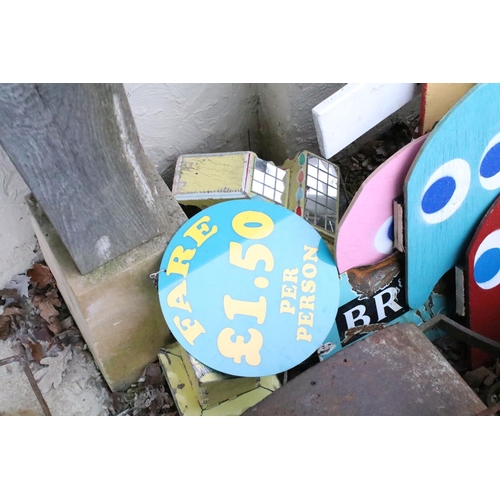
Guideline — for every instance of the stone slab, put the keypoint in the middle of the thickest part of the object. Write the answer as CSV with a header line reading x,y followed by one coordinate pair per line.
x,y
115,306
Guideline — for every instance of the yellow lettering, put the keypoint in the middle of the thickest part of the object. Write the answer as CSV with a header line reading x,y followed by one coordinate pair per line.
x,y
290,275
176,263
200,232
176,297
306,319
285,307
310,253
303,335
308,286
290,292
188,330
254,254
309,270
246,308
242,220
239,348
307,302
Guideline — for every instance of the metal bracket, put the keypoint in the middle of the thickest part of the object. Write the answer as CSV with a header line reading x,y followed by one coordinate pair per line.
x,y
154,277
462,333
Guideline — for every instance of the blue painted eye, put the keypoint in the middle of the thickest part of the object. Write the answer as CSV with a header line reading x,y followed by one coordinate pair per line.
x,y
384,239
445,191
487,262
489,166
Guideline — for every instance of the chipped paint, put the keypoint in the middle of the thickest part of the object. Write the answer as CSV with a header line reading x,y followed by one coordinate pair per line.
x,y
368,280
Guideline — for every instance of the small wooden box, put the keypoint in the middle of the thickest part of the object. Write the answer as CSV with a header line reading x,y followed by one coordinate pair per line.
x,y
200,391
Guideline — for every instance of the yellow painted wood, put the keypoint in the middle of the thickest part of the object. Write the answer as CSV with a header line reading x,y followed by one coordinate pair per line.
x,y
214,177
213,387
438,99
185,396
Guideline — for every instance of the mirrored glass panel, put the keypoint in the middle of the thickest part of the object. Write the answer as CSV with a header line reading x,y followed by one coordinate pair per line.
x,y
321,196
268,181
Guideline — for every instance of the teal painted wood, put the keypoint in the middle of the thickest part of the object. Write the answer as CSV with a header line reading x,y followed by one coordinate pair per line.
x,y
451,184
376,294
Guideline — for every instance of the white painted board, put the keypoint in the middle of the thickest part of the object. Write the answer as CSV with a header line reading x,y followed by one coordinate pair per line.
x,y
355,109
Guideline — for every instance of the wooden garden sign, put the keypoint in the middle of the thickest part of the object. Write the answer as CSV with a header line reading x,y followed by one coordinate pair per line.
x,y
366,231
451,184
482,267
77,148
249,288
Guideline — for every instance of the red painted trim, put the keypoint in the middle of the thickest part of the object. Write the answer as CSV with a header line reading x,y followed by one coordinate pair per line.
x,y
423,104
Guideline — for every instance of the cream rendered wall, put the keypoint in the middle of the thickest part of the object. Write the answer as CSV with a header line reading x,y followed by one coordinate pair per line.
x,y
286,120
186,118
17,239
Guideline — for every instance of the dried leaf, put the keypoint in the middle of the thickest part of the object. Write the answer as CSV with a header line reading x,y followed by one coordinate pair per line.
x,y
52,375
12,311
47,310
153,375
42,334
9,293
4,327
19,283
37,351
67,323
55,326
46,305
40,275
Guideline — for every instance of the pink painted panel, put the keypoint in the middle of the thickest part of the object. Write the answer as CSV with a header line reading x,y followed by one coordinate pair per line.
x,y
366,231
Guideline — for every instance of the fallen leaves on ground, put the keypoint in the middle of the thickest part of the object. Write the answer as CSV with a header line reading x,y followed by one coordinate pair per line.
x,y
40,275
51,376
6,315
148,397
32,312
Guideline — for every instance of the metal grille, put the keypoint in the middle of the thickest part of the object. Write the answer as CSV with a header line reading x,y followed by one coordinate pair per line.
x,y
321,195
268,181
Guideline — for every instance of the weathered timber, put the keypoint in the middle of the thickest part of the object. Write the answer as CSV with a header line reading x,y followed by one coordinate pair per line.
x,y
77,148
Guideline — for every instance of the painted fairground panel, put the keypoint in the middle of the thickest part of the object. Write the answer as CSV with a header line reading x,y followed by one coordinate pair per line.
x,y
306,184
313,192
248,288
366,231
453,181
371,296
482,292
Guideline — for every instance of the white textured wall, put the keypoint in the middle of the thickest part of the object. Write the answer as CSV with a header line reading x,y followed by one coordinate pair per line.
x,y
185,118
285,117
17,238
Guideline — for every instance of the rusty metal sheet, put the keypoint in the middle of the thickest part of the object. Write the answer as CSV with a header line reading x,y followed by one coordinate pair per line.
x,y
395,371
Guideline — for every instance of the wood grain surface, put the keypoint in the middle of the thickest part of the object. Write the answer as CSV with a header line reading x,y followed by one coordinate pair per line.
x,y
77,148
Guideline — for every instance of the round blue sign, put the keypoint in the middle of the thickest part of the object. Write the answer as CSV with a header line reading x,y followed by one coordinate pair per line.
x,y
248,288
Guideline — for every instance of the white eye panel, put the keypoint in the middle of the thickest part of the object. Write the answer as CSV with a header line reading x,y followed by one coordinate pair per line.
x,y
445,191
489,166
384,239
487,262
